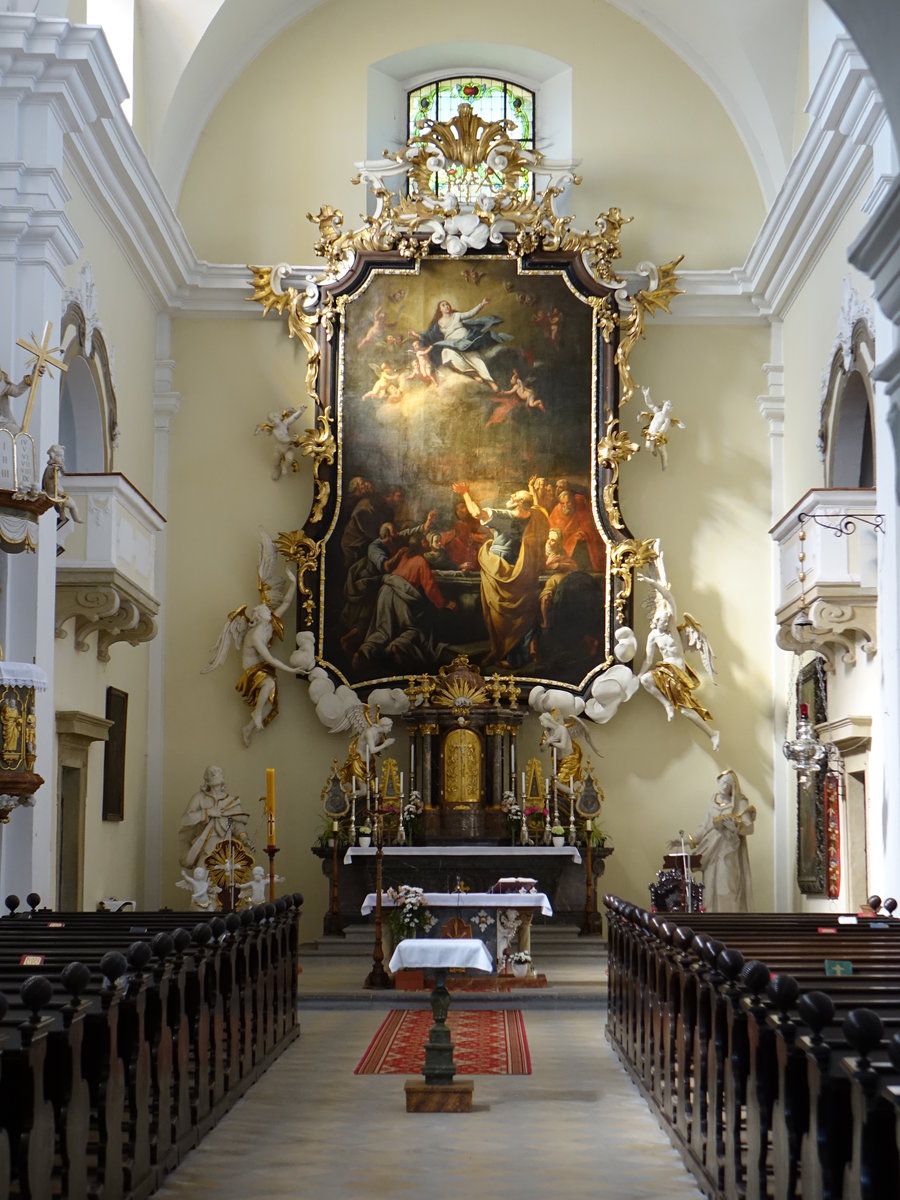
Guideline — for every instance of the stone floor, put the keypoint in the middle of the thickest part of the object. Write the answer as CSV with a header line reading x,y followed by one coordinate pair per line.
x,y
310,1128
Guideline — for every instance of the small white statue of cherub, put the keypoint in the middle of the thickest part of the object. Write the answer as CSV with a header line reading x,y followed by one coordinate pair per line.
x,y
254,891
64,504
660,417
201,887
278,425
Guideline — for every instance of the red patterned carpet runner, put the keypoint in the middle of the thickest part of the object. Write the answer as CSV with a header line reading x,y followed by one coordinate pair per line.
x,y
485,1042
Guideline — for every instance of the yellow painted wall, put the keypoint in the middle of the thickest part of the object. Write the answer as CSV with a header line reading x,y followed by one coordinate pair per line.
x,y
651,137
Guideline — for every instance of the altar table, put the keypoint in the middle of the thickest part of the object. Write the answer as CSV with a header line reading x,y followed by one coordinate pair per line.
x,y
511,922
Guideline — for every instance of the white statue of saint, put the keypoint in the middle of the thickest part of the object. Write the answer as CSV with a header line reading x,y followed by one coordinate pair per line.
x,y
256,889
671,680
201,887
211,817
278,425
50,484
721,842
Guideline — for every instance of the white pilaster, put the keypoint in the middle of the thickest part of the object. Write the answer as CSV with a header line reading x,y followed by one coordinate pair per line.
x,y
771,406
55,80
166,403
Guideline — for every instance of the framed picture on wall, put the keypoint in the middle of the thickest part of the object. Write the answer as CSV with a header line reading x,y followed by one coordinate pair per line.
x,y
114,756
811,858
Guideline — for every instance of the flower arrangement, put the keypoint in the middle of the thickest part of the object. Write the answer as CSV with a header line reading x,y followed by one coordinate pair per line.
x,y
513,812
410,912
557,831
365,829
520,956
410,813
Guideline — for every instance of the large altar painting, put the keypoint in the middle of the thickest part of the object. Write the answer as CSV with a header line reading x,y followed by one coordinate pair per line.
x,y
469,398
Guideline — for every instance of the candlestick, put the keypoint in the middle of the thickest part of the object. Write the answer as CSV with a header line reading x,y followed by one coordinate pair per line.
x,y
270,806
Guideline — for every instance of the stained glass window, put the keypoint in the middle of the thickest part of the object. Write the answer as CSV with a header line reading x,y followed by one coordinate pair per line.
x,y
491,99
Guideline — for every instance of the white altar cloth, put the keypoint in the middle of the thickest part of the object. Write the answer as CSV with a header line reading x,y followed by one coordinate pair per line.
x,y
512,852
447,900
440,953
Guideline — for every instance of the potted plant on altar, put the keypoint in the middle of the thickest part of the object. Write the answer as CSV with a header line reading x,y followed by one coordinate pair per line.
x,y
410,912
558,833
364,835
409,816
520,962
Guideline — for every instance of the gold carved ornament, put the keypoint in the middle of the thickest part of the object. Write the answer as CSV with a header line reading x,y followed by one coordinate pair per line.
x,y
643,302
317,443
482,203
614,447
625,559
304,553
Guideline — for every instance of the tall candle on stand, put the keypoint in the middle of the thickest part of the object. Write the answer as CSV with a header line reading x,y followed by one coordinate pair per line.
x,y
270,806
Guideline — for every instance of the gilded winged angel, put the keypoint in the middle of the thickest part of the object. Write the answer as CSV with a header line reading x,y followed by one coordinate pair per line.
x,y
252,633
672,681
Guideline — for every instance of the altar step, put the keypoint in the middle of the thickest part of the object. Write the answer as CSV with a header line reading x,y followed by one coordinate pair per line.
x,y
546,939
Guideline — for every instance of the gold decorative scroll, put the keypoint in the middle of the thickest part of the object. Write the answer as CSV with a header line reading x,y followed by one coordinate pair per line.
x,y
632,326
625,559
304,552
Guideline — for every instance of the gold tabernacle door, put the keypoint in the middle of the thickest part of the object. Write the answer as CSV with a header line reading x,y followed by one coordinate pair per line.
x,y
462,768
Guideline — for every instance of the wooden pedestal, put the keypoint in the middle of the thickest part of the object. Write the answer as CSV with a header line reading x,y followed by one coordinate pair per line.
x,y
439,1097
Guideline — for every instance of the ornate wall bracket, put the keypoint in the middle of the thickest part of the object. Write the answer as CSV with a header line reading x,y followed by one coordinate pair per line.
x,y
102,601
829,595
840,624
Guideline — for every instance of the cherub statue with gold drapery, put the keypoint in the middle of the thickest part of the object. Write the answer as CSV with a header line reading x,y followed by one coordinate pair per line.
x,y
672,681
253,633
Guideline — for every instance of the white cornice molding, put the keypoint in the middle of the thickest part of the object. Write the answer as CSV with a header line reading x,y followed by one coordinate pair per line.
x,y
111,168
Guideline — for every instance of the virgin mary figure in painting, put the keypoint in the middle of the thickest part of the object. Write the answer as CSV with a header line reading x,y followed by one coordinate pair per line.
x,y
461,336
511,564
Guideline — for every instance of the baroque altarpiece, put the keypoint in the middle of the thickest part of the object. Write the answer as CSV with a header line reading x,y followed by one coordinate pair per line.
x,y
465,564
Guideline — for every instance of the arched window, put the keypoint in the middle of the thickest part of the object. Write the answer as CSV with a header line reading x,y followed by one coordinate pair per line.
x,y
846,441
88,411
491,99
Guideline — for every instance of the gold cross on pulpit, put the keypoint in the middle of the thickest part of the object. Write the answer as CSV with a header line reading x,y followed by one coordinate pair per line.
x,y
43,357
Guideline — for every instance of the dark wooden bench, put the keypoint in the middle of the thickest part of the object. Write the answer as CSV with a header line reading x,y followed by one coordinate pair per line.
x,y
125,1036
761,1103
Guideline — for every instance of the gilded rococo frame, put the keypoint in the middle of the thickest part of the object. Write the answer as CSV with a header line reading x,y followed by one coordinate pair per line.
x,y
466,338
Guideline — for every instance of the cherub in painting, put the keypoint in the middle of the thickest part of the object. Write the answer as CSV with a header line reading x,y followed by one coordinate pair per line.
x,y
378,328
387,386
517,395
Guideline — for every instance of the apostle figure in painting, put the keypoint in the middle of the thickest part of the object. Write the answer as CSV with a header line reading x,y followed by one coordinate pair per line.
x,y
573,518
722,844
402,627
511,565
211,817
368,512
464,540
462,337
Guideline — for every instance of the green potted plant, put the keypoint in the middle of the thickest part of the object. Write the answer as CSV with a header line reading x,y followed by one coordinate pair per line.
x,y
558,833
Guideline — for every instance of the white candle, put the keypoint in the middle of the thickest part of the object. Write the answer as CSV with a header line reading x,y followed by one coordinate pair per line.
x,y
401,784
523,785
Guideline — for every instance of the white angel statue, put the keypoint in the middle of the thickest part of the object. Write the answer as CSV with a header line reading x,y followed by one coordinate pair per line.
x,y
252,633
557,734
201,887
672,681
655,431
286,443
